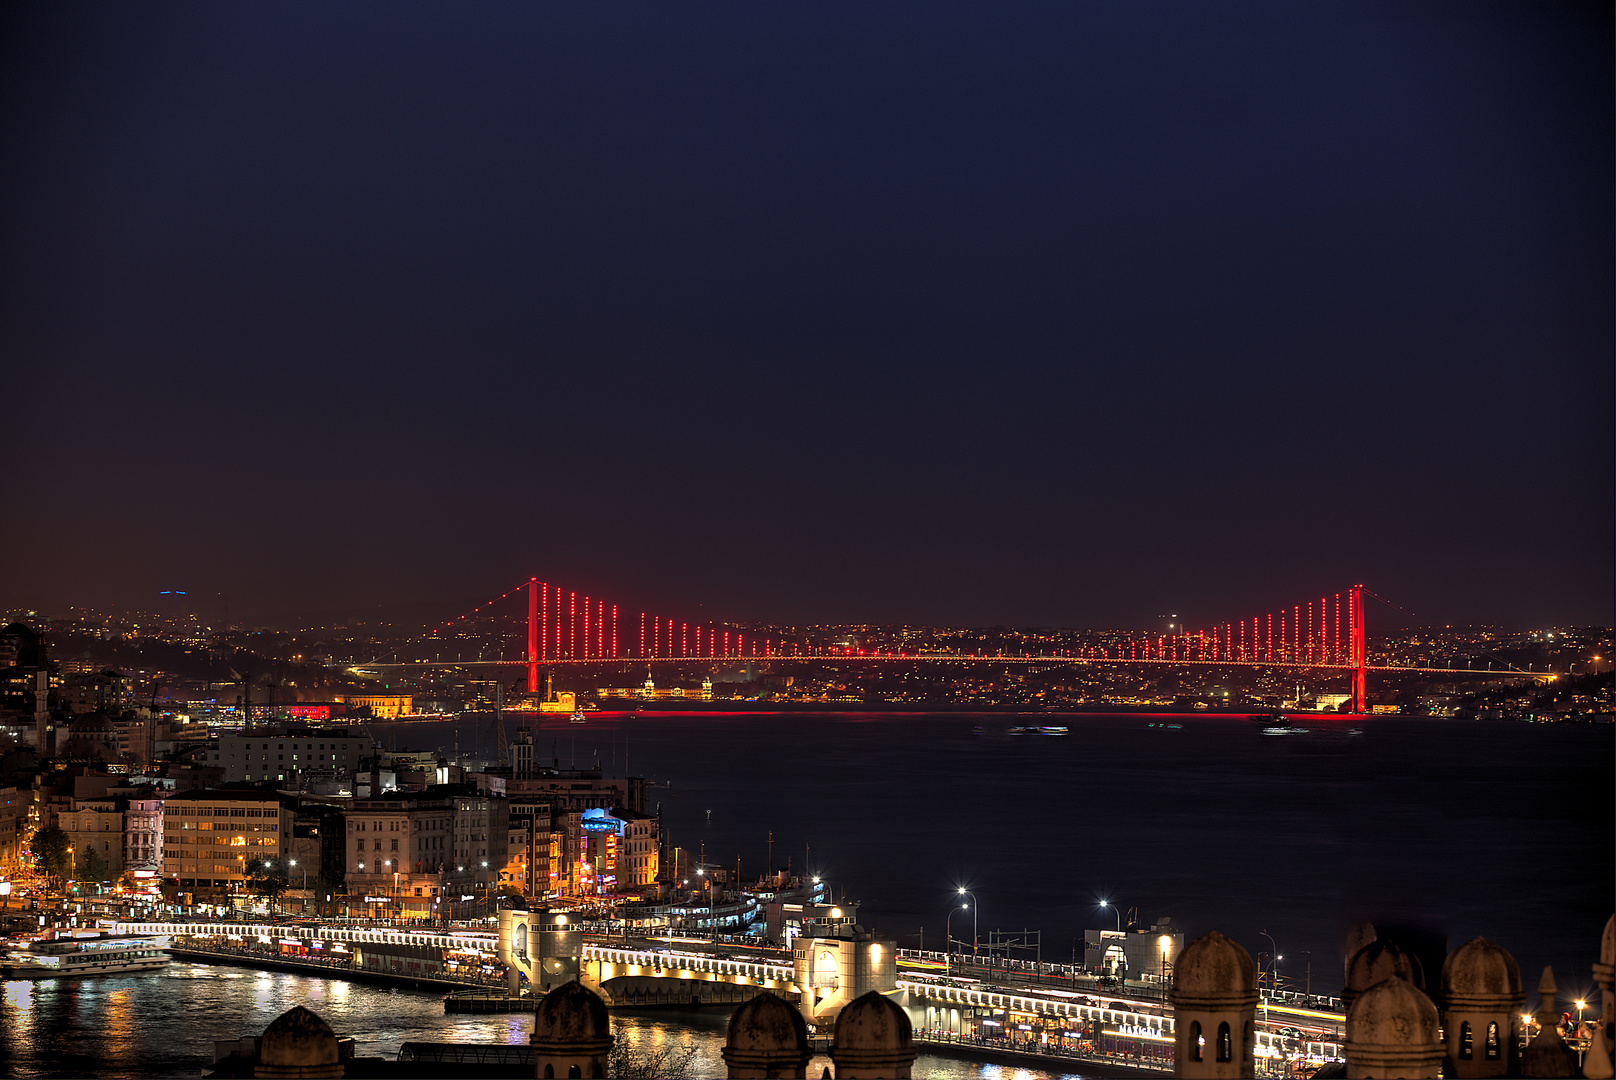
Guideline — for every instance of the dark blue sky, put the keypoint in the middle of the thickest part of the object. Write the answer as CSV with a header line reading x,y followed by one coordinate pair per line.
x,y
1067,314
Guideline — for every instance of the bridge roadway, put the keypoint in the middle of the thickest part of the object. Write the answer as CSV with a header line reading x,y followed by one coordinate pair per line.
x,y
1121,1015
964,658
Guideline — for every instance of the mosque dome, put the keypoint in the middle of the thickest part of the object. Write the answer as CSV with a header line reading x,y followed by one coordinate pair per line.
x,y
766,1024
298,1043
95,723
1214,966
873,1022
571,1013
1481,972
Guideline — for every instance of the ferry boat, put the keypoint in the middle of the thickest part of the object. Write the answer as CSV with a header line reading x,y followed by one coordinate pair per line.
x,y
1047,729
106,954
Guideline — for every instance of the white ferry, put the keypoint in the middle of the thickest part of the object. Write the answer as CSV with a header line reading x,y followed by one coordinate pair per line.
x,y
106,954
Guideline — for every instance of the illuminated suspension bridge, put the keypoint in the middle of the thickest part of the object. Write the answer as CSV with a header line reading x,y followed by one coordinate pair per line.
x,y
566,627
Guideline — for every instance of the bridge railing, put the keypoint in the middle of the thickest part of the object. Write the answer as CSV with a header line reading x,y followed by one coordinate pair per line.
x,y
683,961
1035,1049
458,942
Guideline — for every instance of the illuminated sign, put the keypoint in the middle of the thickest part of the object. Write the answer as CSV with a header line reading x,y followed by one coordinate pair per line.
x,y
597,820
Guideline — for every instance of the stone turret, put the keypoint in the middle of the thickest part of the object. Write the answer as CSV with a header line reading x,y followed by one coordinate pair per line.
x,y
572,1035
873,1039
1215,1009
1392,1033
1481,1006
298,1044
1547,1055
1376,962
767,1037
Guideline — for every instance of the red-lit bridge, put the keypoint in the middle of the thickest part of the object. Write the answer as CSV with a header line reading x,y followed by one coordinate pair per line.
x,y
566,627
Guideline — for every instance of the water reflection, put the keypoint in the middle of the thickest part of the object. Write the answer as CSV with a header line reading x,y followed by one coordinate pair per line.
x,y
125,1026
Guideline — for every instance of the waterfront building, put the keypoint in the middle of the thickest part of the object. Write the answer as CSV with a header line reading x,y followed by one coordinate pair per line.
x,y
413,850
143,833
261,757
95,830
578,789
607,852
16,824
209,836
381,706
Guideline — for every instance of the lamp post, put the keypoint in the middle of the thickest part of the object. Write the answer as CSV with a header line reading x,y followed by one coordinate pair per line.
x,y
975,907
305,898
1273,968
948,928
1116,910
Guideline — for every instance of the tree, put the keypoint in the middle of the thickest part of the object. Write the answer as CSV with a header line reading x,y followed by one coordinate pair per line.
x,y
53,853
668,1062
266,878
92,867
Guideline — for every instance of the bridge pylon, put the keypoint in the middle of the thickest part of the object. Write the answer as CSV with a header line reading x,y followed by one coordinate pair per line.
x,y
1357,655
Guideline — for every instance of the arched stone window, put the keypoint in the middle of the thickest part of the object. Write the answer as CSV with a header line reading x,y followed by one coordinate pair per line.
x,y
574,1073
1494,1051
549,1072
1225,1042
520,944
1466,1042
1197,1040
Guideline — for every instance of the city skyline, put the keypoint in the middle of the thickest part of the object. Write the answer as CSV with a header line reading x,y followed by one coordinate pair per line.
x,y
945,316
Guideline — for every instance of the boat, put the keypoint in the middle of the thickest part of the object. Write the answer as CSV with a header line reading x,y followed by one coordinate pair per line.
x,y
106,954
1053,729
1043,730
579,717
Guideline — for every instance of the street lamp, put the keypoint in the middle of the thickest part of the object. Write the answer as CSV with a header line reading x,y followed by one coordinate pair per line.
x,y
948,927
1273,968
1165,944
1116,910
975,906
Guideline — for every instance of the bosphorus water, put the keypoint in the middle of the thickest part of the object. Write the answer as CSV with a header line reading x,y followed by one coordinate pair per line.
x,y
1453,828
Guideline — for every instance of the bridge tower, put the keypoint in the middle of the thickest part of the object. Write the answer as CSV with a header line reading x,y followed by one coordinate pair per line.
x,y
541,946
837,961
1356,655
533,635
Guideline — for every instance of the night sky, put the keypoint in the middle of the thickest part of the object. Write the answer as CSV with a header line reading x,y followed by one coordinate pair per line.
x,y
1068,314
